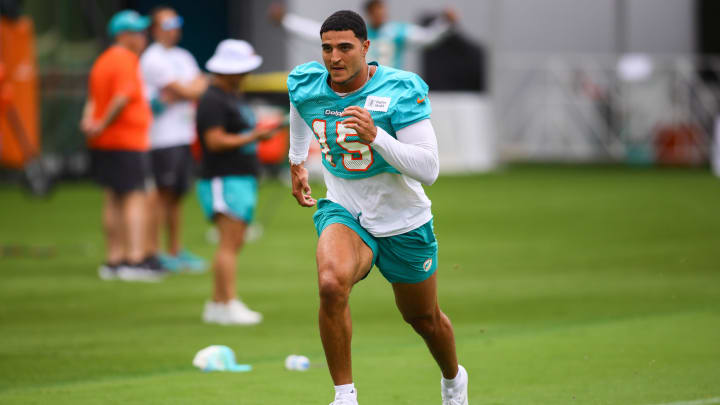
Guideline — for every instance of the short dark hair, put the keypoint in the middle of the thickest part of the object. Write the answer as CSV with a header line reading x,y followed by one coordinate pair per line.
x,y
157,10
372,4
344,20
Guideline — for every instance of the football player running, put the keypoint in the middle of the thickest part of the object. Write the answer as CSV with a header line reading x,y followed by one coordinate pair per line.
x,y
379,148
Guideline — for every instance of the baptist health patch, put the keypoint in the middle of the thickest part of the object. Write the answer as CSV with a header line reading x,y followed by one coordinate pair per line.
x,y
377,103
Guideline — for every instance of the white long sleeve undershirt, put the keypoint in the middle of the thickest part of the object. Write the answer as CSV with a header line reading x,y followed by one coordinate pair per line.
x,y
414,153
300,137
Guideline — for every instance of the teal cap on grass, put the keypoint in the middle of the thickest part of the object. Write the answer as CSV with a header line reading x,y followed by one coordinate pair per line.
x,y
127,20
218,358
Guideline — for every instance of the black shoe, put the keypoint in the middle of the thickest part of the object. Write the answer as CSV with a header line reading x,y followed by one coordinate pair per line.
x,y
140,272
153,263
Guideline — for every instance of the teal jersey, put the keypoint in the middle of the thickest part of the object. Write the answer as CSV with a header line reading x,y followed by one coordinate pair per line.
x,y
388,43
394,98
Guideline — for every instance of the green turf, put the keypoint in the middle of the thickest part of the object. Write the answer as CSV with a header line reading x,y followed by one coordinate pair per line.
x,y
565,285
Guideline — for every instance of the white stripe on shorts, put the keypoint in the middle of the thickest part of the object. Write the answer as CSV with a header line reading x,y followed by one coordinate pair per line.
x,y
218,202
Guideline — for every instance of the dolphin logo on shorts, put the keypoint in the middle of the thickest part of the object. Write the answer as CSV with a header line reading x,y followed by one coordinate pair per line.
x,y
428,264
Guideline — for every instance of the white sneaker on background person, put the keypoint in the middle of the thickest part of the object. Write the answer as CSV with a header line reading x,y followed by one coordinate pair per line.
x,y
234,312
142,272
108,271
454,392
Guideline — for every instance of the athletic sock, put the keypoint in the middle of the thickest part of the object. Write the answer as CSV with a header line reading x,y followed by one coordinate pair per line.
x,y
452,382
345,388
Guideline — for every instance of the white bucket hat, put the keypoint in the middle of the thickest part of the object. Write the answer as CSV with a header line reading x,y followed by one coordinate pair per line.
x,y
233,56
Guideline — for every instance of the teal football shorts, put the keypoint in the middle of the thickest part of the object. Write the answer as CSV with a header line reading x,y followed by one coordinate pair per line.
x,y
235,196
410,257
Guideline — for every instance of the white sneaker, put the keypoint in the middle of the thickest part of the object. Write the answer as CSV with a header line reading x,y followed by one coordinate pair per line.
x,y
108,272
456,395
234,312
345,399
139,273
240,313
210,313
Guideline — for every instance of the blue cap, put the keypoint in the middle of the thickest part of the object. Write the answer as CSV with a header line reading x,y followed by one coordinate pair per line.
x,y
127,20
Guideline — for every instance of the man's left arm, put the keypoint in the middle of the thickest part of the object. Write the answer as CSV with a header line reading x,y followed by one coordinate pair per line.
x,y
169,89
191,90
414,153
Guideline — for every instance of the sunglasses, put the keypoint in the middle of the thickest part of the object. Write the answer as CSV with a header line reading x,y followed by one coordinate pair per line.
x,y
172,23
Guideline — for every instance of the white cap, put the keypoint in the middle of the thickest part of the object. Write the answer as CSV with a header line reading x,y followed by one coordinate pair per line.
x,y
233,56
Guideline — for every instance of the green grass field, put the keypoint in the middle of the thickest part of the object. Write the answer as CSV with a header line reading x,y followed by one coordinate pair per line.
x,y
565,285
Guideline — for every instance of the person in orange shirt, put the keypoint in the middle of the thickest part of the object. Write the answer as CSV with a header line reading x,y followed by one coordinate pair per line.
x,y
116,121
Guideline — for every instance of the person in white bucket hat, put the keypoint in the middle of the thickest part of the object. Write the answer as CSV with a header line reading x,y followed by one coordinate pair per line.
x,y
233,57
228,135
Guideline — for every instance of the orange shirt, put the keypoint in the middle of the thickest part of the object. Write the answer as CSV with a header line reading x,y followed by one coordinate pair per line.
x,y
116,72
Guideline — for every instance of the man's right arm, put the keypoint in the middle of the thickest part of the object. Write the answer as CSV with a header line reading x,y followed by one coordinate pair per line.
x,y
425,36
86,122
210,122
217,140
93,128
302,27
117,104
300,138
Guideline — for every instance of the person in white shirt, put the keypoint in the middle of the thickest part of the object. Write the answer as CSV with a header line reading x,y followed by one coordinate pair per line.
x,y
390,39
173,83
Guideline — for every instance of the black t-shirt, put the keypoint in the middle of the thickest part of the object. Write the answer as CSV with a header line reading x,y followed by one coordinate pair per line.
x,y
218,108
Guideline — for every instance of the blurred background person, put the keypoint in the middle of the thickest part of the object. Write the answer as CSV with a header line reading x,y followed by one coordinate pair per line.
x,y
173,81
228,135
116,120
389,39
715,154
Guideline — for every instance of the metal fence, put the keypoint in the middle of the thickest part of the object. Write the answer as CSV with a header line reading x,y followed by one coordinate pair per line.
x,y
635,109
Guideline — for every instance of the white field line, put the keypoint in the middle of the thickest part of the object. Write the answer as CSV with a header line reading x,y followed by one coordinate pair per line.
x,y
706,401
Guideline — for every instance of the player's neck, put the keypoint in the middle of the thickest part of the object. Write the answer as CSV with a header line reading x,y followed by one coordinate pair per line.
x,y
128,46
224,84
165,44
355,83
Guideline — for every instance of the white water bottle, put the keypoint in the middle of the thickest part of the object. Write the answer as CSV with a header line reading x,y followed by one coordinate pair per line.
x,y
295,362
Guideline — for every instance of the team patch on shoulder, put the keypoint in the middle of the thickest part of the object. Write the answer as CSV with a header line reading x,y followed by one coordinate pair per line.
x,y
377,103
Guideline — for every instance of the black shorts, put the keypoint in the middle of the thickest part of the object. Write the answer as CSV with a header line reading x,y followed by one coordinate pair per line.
x,y
121,171
172,168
